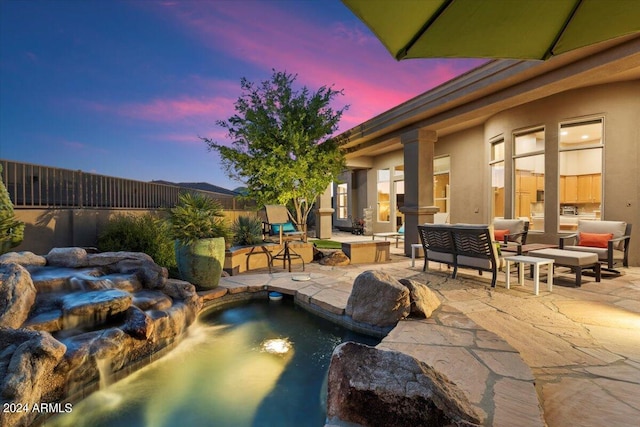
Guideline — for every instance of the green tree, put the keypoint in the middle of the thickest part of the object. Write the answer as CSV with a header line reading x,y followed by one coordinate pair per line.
x,y
11,230
281,143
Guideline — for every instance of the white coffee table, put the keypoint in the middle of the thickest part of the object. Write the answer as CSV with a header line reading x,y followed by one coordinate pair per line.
x,y
535,262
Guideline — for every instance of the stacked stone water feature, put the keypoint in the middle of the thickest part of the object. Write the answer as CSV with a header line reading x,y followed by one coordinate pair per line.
x,y
69,315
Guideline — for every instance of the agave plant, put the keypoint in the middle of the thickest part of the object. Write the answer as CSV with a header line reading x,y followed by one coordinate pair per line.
x,y
247,231
197,217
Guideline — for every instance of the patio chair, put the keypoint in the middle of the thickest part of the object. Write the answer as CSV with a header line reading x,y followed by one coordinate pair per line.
x,y
609,239
511,233
278,223
441,218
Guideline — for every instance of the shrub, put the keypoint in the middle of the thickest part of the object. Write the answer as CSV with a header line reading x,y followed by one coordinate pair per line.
x,y
146,233
247,231
11,230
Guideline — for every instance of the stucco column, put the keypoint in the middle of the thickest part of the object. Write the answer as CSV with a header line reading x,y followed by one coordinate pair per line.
x,y
419,206
324,213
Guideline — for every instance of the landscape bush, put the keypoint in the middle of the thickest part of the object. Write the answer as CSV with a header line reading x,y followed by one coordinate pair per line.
x,y
145,233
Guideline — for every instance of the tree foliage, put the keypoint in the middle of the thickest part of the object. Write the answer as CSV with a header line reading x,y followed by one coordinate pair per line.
x,y
281,146
11,229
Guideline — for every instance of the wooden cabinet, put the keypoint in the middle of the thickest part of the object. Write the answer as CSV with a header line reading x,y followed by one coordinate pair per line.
x,y
589,188
498,202
584,188
581,188
523,204
539,182
570,189
596,188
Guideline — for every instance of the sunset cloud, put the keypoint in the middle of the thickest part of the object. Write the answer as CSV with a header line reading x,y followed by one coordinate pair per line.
x,y
129,88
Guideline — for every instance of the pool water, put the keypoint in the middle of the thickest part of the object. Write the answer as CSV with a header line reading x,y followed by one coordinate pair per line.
x,y
261,363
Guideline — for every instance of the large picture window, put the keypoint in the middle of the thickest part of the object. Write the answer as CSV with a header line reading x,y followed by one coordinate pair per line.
x,y
580,169
384,195
528,166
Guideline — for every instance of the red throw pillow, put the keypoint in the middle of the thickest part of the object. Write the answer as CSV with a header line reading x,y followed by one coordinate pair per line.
x,y
594,240
499,235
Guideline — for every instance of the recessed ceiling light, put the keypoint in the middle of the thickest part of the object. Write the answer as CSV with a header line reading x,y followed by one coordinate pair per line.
x,y
585,136
564,133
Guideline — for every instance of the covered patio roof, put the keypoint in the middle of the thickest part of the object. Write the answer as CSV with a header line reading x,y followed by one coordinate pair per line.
x,y
470,99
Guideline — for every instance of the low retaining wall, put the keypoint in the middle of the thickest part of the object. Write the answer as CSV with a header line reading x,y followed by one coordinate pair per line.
x,y
367,252
241,259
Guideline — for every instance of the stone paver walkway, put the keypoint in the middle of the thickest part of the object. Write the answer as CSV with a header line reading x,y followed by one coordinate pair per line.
x,y
581,345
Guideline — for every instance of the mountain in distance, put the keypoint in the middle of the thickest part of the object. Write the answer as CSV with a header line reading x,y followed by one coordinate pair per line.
x,y
203,186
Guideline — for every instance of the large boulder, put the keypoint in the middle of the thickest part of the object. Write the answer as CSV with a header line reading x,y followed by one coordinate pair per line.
x,y
138,324
148,272
23,258
17,295
378,299
27,362
337,258
371,387
423,300
67,257
89,309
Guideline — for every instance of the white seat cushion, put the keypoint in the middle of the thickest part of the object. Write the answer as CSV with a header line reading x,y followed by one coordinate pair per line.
x,y
566,257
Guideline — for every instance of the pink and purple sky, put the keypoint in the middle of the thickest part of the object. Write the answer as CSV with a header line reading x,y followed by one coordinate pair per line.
x,y
125,87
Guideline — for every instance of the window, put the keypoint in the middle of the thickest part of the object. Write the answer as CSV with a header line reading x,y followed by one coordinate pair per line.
x,y
580,169
497,179
528,164
398,189
343,211
398,193
441,167
384,190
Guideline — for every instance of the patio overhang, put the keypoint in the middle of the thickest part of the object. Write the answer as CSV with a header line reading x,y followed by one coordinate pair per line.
x,y
472,98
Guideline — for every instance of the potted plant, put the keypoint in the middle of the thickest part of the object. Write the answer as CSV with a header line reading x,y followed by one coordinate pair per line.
x,y
199,229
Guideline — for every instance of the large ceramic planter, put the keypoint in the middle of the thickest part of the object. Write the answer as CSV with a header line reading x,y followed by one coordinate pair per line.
x,y
201,262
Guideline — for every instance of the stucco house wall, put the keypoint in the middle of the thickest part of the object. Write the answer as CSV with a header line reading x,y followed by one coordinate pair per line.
x,y
619,105
468,184
461,118
469,153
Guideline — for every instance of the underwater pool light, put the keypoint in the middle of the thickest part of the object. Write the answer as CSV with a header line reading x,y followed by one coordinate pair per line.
x,y
276,346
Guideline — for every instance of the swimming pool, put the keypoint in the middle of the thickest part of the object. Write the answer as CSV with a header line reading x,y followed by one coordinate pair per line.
x,y
233,369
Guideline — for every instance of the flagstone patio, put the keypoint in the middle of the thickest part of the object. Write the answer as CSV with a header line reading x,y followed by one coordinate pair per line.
x,y
581,345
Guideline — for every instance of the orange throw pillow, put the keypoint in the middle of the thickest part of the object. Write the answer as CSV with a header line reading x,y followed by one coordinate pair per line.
x,y
594,240
499,235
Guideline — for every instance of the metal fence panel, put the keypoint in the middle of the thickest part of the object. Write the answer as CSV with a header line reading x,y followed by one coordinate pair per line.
x,y
42,186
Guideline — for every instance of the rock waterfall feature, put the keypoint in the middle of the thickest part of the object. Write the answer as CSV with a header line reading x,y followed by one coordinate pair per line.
x,y
70,315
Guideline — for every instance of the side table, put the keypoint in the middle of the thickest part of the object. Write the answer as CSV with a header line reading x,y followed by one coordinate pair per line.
x,y
414,247
535,262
